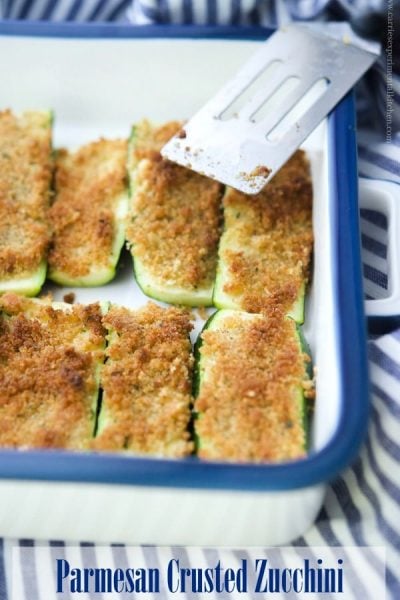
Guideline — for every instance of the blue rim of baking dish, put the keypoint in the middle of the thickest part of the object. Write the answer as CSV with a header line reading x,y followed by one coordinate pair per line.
x,y
341,450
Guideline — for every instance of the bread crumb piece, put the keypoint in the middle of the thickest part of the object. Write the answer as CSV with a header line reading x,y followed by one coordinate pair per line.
x,y
69,298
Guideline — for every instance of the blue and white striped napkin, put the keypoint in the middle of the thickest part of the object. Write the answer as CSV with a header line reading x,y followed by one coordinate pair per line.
x,y
363,505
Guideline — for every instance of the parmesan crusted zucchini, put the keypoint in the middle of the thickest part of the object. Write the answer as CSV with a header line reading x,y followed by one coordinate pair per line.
x,y
88,214
265,249
25,177
174,222
253,381
50,360
146,382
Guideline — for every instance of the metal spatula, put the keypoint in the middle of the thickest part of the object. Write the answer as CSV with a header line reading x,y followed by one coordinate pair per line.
x,y
244,135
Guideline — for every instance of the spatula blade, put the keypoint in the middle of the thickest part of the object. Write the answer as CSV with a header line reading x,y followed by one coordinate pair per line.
x,y
244,148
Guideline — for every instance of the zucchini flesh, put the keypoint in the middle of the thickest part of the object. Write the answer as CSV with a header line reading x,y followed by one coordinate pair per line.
x,y
51,355
30,285
174,222
251,377
265,250
88,215
146,382
25,178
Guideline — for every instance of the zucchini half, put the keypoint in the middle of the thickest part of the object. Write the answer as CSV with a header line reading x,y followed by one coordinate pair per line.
x,y
88,214
51,357
252,383
30,285
25,179
174,221
265,250
146,382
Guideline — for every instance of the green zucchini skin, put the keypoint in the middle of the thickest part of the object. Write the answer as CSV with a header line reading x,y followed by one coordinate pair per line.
x,y
306,404
174,296
196,382
27,286
297,311
197,354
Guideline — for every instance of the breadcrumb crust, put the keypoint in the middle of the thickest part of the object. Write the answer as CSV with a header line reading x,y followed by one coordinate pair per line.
x,y
147,382
89,184
249,405
265,250
25,175
175,216
49,362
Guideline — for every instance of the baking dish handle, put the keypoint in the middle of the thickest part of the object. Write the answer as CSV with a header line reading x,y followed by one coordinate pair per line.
x,y
384,197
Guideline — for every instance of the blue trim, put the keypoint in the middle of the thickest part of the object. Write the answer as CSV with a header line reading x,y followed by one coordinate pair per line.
x,y
353,424
342,449
116,31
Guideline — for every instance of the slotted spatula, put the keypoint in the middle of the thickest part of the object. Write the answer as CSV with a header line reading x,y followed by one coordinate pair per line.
x,y
244,135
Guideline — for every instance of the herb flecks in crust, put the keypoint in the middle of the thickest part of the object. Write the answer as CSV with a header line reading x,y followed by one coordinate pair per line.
x,y
175,215
89,184
49,365
266,247
250,399
147,382
25,175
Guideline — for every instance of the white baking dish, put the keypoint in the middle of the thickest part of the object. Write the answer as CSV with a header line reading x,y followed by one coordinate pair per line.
x,y
100,87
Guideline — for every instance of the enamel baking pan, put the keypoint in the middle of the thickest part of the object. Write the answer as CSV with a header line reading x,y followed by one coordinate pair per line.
x,y
99,80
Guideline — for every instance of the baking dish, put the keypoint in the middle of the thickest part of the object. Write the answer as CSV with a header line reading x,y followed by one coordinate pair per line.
x,y
99,80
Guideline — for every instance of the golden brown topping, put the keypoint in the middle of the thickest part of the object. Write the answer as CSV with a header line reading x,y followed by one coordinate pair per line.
x,y
175,215
146,382
147,140
49,359
250,398
267,243
89,186
25,174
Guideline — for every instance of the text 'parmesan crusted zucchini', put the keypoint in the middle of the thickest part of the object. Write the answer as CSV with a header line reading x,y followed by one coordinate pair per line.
x,y
50,359
253,379
174,223
25,177
88,214
265,249
146,382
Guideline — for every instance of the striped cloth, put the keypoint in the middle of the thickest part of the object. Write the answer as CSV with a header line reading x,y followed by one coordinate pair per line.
x,y
363,505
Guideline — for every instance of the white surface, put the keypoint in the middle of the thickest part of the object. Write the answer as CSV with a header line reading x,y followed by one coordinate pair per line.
x,y
103,513
101,87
